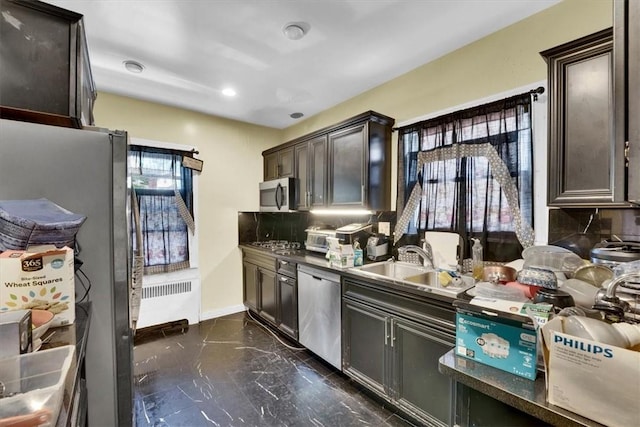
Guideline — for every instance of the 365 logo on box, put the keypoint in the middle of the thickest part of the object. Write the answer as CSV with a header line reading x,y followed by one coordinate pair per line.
x,y
32,264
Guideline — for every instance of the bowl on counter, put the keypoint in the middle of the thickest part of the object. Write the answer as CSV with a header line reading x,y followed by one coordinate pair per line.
x,y
41,321
498,274
552,258
559,299
540,277
595,274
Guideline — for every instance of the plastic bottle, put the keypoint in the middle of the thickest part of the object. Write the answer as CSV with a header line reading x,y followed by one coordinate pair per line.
x,y
358,257
477,263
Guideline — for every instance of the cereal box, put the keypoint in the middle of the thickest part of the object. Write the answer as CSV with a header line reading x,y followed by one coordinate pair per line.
x,y
39,278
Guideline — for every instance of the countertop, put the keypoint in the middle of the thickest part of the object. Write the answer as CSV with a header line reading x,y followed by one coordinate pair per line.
x,y
314,259
73,334
520,393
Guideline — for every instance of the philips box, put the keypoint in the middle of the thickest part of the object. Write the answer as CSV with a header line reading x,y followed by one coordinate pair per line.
x,y
504,341
39,278
590,378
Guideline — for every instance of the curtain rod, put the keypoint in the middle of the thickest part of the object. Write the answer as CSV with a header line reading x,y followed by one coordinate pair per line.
x,y
533,92
149,148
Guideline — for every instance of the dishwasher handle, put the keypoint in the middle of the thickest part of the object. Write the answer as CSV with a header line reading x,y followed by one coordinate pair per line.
x,y
318,274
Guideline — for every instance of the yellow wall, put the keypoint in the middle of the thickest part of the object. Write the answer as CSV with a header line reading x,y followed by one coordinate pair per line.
x,y
231,150
228,184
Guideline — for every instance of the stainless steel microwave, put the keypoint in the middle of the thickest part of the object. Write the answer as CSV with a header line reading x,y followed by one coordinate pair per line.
x,y
277,195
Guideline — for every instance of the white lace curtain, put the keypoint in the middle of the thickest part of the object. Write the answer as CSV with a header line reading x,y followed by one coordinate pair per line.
x,y
163,191
470,172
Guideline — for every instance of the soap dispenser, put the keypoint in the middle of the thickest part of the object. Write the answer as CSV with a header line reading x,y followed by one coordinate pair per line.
x,y
477,263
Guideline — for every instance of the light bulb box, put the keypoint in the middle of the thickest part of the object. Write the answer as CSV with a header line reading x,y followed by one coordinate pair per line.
x,y
591,378
40,278
505,341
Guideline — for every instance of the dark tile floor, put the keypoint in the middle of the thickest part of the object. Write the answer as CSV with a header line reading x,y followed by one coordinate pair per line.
x,y
230,371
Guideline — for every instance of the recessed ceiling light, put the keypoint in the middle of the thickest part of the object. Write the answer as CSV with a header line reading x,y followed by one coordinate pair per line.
x,y
133,66
296,115
296,30
228,92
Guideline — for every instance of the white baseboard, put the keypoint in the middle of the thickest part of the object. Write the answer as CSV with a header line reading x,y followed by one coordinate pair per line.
x,y
206,315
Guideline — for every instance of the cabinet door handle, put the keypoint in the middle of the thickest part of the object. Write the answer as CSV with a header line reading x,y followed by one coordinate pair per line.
x,y
386,331
284,262
393,337
284,279
362,193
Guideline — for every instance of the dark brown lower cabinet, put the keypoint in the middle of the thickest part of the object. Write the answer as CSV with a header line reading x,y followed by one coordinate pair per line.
x,y
250,285
392,344
396,356
474,408
288,305
259,284
417,350
270,290
268,308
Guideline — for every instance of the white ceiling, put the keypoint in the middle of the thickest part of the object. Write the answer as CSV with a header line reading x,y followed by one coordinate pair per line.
x,y
192,49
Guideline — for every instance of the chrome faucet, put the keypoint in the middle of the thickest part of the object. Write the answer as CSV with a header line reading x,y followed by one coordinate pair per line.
x,y
426,254
607,299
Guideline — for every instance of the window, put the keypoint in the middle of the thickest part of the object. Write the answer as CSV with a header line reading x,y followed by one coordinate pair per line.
x,y
471,172
163,190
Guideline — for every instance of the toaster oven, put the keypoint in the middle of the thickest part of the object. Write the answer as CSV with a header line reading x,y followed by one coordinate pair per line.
x,y
317,239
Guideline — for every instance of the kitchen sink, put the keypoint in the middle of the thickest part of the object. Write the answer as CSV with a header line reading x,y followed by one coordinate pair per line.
x,y
393,270
417,276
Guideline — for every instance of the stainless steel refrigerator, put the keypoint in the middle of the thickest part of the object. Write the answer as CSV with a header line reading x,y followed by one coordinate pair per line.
x,y
85,171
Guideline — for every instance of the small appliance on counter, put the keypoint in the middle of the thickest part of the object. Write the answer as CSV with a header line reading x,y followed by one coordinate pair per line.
x,y
348,234
378,247
317,239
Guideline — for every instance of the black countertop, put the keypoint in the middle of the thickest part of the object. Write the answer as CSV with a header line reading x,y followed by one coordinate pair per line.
x,y
73,334
318,260
520,393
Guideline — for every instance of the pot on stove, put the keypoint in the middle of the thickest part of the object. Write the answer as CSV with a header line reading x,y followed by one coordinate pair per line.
x,y
613,253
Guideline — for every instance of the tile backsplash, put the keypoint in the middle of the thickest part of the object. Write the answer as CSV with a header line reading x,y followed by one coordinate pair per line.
x,y
591,226
291,226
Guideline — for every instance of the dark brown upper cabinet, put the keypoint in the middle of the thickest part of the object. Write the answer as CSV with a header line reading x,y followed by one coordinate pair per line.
x,y
311,172
594,136
344,166
628,38
279,164
44,64
586,155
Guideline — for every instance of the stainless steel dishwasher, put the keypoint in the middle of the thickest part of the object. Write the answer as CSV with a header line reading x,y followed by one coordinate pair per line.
x,y
319,313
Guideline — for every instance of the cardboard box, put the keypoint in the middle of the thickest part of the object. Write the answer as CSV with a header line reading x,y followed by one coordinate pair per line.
x,y
340,256
505,341
592,379
40,277
539,312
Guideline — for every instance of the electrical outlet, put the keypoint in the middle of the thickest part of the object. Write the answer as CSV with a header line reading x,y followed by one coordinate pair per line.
x,y
384,228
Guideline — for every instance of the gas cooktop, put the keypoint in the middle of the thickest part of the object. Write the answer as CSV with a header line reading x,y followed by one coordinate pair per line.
x,y
280,247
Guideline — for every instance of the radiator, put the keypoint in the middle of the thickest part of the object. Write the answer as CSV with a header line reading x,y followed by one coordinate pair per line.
x,y
169,301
